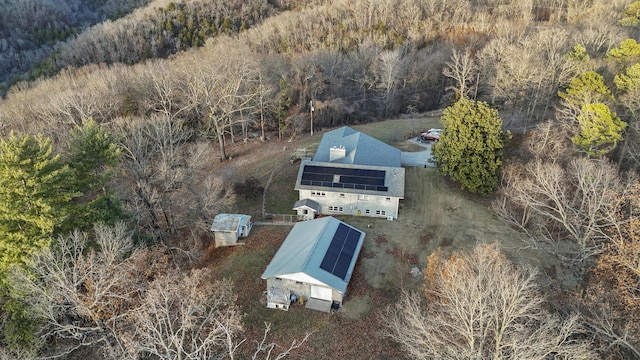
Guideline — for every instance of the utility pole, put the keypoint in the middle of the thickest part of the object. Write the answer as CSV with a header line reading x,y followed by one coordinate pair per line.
x,y
311,111
310,101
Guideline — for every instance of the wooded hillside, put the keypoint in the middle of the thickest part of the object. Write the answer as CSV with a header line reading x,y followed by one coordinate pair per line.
x,y
359,61
32,30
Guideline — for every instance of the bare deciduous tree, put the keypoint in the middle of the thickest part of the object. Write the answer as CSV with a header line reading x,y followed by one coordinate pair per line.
x,y
221,88
598,36
130,302
390,74
551,142
526,72
612,298
266,349
462,69
166,186
139,154
482,306
15,354
79,295
186,316
554,202
509,72
163,94
265,103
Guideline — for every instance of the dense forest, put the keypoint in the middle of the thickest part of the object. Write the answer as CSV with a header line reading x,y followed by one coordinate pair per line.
x,y
32,31
110,109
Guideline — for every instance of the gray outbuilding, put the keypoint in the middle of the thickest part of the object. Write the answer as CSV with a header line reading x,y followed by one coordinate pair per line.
x,y
231,229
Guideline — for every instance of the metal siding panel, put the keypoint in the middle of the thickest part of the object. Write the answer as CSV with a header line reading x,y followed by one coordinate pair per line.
x,y
321,292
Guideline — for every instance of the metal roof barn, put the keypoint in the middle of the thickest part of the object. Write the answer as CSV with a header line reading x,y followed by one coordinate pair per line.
x,y
315,262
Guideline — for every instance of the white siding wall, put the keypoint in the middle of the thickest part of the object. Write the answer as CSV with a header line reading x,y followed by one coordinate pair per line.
x,y
335,203
226,238
300,288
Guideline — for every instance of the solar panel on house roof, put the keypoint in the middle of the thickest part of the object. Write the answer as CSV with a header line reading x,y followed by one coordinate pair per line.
x,y
341,250
347,178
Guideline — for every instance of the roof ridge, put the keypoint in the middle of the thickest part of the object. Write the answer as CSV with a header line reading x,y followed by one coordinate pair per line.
x,y
317,241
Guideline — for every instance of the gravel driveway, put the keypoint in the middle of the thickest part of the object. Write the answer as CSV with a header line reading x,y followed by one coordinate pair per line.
x,y
418,158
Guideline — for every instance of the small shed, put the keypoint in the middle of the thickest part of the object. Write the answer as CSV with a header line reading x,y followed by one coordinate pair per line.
x,y
314,264
306,209
231,229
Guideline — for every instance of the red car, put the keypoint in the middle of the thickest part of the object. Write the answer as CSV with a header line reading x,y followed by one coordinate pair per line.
x,y
431,135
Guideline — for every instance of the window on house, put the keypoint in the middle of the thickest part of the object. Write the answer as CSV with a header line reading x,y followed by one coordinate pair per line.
x,y
305,212
341,195
367,211
380,212
336,208
388,199
318,193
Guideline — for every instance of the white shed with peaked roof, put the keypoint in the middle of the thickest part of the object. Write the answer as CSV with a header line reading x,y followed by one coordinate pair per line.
x,y
231,229
314,263
306,209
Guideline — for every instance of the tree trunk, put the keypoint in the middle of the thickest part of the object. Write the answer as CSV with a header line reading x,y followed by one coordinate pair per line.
x,y
223,154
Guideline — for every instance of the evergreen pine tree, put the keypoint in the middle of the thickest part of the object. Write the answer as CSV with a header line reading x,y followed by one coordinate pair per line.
x,y
34,197
600,130
94,154
470,146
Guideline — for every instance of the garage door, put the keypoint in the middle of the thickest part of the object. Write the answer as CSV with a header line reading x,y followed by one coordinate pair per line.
x,y
321,292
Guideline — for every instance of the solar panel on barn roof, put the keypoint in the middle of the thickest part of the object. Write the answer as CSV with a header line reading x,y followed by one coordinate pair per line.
x,y
341,250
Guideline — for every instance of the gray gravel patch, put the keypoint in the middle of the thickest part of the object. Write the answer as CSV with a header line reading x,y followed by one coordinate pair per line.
x,y
418,158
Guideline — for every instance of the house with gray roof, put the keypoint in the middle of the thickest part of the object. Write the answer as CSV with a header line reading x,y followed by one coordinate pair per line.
x,y
351,173
307,209
313,265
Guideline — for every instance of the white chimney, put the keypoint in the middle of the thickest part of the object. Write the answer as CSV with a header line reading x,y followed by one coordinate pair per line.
x,y
337,153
